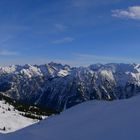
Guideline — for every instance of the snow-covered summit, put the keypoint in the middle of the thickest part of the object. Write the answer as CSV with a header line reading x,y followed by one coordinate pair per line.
x,y
36,70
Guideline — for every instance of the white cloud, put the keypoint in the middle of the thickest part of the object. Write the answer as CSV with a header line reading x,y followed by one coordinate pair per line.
x,y
132,12
63,40
7,53
60,27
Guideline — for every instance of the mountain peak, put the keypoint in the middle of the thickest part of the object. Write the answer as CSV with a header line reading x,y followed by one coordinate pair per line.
x,y
55,85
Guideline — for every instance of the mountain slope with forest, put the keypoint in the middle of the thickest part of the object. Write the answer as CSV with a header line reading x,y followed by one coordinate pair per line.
x,y
57,86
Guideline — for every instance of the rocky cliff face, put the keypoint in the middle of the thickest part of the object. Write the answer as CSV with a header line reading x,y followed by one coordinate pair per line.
x,y
60,86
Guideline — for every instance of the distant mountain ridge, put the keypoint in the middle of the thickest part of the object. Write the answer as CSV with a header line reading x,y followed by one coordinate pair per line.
x,y
60,86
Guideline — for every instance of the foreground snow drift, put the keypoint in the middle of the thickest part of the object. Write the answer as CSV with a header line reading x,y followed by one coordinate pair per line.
x,y
11,120
117,120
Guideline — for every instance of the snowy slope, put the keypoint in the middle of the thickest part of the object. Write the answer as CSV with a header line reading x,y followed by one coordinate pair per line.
x,y
93,120
11,120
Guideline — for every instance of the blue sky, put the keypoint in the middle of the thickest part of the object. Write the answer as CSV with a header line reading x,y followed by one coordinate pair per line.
x,y
76,32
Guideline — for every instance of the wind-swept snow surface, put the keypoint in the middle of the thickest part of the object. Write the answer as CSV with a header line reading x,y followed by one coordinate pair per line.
x,y
93,120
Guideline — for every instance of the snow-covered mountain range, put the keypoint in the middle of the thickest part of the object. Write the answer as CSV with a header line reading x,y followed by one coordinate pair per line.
x,y
59,86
